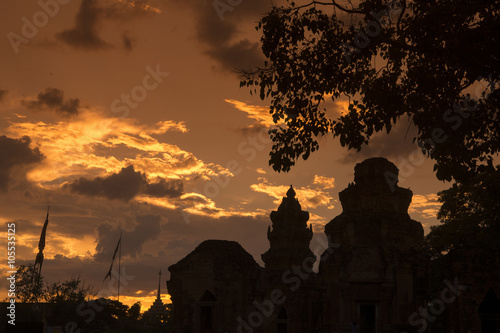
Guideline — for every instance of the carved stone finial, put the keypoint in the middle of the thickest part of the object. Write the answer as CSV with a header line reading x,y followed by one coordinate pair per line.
x,y
290,194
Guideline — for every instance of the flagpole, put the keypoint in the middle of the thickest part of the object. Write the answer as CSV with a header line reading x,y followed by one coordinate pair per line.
x,y
119,269
111,271
41,246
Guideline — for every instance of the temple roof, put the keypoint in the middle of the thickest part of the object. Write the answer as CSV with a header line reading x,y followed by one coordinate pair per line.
x,y
375,170
228,253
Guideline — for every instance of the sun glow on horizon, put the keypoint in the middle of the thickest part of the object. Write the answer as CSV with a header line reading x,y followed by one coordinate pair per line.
x,y
146,301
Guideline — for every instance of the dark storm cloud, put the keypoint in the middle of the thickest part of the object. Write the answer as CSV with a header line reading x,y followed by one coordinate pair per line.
x,y
79,227
147,228
2,94
85,32
218,31
16,153
53,99
399,142
93,14
241,55
162,188
125,185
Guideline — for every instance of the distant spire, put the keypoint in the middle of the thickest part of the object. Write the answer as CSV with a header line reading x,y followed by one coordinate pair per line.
x,y
158,308
291,193
159,280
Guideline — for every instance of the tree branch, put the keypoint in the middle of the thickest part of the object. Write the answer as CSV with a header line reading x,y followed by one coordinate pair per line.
x,y
333,3
401,15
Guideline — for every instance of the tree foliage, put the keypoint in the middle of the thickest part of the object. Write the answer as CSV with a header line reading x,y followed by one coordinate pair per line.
x,y
436,62
70,291
73,301
470,216
29,286
159,322
135,311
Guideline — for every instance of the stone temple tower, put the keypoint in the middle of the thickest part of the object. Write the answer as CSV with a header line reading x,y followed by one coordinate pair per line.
x,y
373,272
288,267
376,277
289,237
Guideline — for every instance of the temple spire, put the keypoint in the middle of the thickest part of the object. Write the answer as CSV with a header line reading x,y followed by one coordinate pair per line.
x,y
290,194
159,281
289,236
157,310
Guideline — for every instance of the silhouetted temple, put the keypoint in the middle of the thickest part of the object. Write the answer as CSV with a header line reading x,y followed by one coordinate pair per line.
x,y
372,276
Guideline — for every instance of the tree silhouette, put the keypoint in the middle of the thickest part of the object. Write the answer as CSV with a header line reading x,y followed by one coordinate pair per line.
x,y
72,301
470,216
30,288
135,311
393,60
70,291
29,285
159,322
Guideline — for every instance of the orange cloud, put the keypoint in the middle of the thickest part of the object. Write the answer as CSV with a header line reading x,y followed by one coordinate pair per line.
x,y
342,106
325,182
317,220
308,197
259,113
101,145
198,204
261,171
426,205
167,126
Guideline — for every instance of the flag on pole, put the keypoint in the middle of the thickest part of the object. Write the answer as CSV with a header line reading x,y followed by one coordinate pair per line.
x,y
113,260
41,244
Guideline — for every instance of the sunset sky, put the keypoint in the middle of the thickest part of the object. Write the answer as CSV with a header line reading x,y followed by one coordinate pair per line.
x,y
127,116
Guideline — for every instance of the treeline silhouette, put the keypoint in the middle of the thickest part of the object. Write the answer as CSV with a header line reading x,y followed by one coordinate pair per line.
x,y
72,306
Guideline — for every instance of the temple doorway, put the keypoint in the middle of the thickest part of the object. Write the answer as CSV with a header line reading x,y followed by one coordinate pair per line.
x,y
282,322
367,318
207,303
